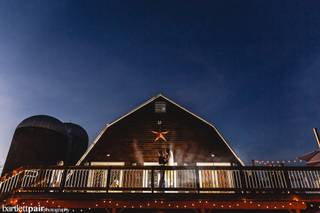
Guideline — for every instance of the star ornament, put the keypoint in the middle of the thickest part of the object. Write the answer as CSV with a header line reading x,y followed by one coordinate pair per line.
x,y
160,135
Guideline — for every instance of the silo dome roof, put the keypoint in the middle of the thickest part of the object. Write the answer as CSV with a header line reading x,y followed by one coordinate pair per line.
x,y
43,121
76,130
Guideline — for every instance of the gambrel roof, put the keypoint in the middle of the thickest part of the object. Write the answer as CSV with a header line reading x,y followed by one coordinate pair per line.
x,y
130,138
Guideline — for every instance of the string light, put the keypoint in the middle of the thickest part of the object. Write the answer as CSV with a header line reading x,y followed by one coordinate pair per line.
x,y
296,203
276,162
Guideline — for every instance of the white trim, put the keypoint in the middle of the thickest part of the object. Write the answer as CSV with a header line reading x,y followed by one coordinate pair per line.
x,y
151,163
204,164
222,164
142,105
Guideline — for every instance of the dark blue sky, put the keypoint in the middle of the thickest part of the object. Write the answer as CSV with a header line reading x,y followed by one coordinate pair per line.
x,y
252,68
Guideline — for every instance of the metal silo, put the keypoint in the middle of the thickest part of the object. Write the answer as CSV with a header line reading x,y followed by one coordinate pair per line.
x,y
37,140
77,142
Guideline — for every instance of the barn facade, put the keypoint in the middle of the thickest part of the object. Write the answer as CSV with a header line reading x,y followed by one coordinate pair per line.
x,y
160,125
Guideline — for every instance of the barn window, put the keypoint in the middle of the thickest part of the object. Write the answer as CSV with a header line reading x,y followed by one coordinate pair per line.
x,y
160,107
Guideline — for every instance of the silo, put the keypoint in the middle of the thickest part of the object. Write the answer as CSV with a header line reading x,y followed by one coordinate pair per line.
x,y
37,140
77,142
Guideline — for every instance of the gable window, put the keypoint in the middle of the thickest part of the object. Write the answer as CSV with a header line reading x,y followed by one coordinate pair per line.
x,y
160,107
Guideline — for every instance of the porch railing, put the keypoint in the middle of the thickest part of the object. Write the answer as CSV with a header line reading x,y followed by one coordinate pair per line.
x,y
166,179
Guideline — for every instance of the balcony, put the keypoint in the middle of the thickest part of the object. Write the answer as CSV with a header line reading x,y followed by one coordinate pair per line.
x,y
190,187
166,179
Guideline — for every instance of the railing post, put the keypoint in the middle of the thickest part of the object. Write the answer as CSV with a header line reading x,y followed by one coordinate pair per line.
x,y
20,179
63,180
287,179
108,179
152,180
197,180
242,180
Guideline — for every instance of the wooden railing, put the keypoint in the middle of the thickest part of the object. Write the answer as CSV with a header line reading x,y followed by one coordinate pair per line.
x,y
165,179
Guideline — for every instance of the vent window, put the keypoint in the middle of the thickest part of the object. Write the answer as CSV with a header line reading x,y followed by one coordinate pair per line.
x,y
160,107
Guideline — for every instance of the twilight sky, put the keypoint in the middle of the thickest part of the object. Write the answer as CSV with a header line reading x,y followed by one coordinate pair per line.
x,y
252,68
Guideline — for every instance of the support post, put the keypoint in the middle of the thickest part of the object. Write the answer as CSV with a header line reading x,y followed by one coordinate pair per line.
x,y
197,180
243,182
287,179
108,180
152,180
63,180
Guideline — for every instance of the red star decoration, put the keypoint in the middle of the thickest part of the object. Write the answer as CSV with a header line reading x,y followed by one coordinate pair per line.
x,y
160,135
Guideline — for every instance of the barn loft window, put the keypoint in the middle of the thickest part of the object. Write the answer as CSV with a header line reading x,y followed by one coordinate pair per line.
x,y
160,107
